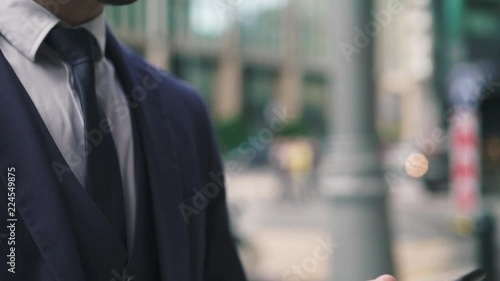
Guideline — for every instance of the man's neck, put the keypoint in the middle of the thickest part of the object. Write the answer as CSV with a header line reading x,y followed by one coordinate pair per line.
x,y
74,12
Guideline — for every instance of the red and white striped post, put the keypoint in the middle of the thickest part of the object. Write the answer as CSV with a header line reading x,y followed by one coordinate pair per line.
x,y
468,85
465,161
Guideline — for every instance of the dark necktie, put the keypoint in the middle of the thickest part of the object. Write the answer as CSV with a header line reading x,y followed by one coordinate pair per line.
x,y
78,48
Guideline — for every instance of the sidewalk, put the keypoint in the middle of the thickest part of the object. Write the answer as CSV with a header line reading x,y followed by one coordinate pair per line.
x,y
282,237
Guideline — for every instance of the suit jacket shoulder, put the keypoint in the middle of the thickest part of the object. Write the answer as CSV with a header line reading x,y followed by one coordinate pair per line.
x,y
179,104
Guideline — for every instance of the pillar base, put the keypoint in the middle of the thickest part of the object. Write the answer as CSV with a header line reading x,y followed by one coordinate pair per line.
x,y
360,227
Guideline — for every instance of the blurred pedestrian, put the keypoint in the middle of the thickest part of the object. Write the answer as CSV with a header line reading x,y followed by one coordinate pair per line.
x,y
311,189
278,154
300,163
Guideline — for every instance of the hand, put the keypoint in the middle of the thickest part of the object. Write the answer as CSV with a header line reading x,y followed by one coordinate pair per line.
x,y
385,278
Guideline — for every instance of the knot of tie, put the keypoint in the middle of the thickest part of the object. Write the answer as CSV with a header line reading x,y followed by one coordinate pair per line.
x,y
74,45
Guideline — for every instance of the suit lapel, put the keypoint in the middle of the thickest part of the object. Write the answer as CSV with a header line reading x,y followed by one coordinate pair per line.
x,y
160,160
72,234
38,197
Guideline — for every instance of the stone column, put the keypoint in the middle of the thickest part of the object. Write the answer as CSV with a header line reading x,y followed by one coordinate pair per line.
x,y
228,92
290,76
353,181
157,50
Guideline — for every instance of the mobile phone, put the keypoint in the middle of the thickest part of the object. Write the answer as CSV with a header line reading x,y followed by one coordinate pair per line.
x,y
475,275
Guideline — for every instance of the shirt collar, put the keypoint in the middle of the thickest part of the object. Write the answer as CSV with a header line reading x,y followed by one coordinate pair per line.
x,y
25,24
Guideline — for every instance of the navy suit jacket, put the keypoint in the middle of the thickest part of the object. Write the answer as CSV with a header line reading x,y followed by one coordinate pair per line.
x,y
52,211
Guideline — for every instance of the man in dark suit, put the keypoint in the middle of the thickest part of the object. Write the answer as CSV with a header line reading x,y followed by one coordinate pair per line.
x,y
109,169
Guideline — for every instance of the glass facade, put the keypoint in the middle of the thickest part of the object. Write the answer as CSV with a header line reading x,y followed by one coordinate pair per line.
x,y
129,19
200,73
197,31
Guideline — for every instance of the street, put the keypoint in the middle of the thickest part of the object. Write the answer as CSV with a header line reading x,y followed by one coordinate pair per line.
x,y
280,238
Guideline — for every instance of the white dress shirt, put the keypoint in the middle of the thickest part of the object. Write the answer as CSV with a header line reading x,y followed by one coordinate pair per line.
x,y
48,81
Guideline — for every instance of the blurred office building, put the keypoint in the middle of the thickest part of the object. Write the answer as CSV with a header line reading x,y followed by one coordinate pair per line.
x,y
243,56
247,56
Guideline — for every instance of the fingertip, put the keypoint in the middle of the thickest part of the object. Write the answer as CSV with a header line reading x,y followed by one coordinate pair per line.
x,y
386,278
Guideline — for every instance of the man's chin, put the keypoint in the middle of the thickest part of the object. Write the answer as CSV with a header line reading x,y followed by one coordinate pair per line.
x,y
117,2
